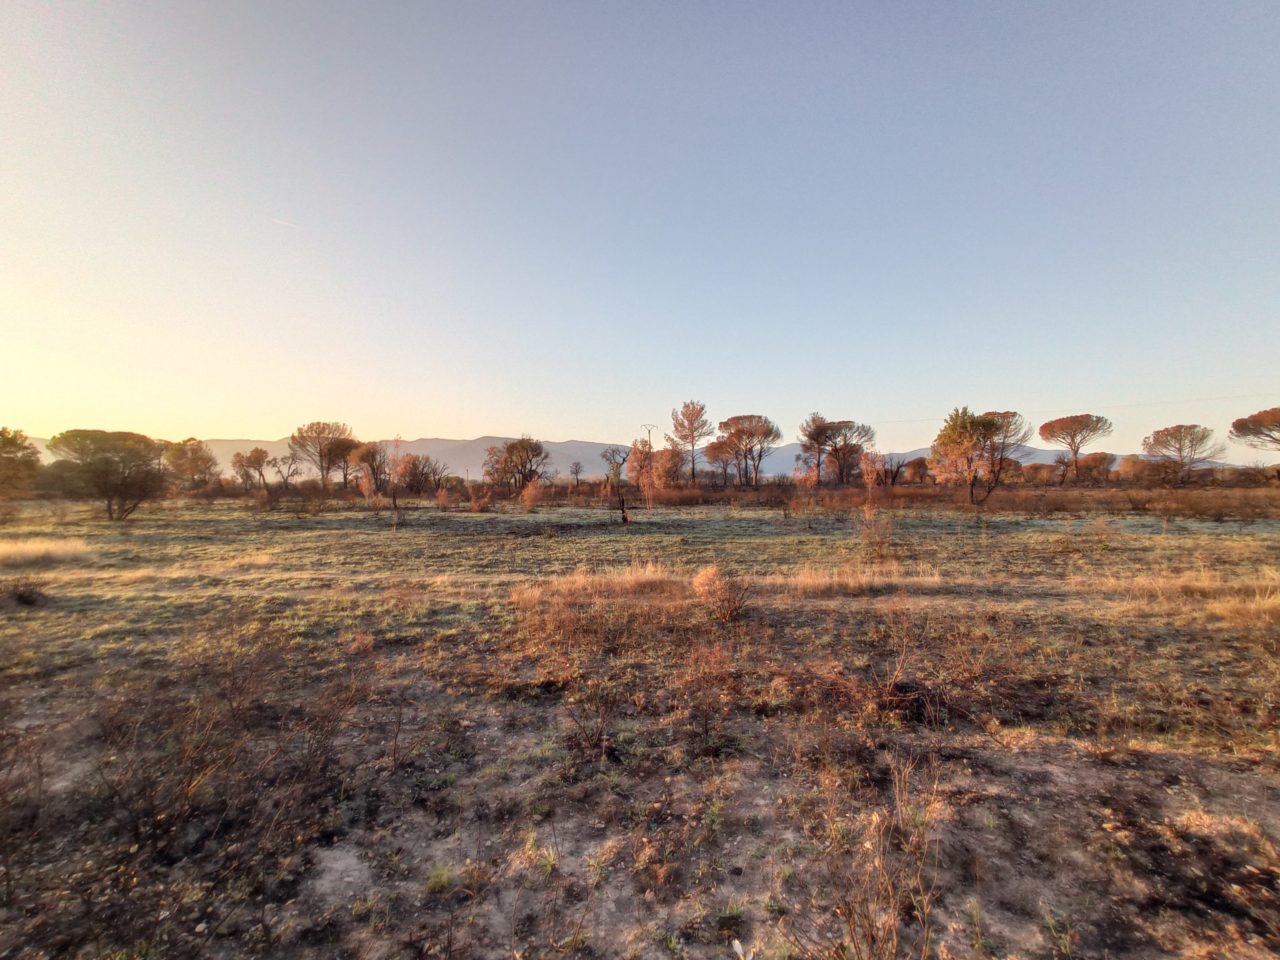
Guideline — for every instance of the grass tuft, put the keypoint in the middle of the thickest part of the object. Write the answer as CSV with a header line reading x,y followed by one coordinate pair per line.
x,y
42,551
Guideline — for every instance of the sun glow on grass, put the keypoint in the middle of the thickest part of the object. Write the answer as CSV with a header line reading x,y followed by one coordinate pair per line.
x,y
42,551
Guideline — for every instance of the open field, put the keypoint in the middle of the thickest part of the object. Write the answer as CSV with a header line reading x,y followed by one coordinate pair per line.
x,y
863,735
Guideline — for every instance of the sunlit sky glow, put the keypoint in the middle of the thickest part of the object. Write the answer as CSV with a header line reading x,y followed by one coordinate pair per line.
x,y
454,219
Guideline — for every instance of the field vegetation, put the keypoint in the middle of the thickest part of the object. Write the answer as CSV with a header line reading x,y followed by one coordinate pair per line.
x,y
824,728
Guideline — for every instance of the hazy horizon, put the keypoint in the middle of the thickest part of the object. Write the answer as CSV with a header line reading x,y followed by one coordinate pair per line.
x,y
565,219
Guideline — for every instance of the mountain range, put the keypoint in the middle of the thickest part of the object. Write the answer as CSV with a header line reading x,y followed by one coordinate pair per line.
x,y
466,457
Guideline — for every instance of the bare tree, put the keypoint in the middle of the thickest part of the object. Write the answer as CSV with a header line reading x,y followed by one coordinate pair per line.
x,y
343,463
720,455
575,471
372,462
1075,432
286,467
251,467
323,444
1003,434
399,466
846,439
1188,445
516,463
615,459
893,466
423,474
689,425
881,470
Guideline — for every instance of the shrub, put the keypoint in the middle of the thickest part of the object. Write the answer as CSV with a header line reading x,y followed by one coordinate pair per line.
x,y
877,874
26,591
531,496
725,597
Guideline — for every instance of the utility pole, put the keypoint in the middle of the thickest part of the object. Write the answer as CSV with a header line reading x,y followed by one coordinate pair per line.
x,y
648,428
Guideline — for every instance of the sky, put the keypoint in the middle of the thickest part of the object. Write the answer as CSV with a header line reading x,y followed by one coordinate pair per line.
x,y
224,219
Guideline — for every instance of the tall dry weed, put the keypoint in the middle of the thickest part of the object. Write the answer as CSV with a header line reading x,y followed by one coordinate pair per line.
x,y
873,895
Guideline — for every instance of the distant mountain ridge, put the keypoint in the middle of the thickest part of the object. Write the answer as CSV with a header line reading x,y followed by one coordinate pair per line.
x,y
466,457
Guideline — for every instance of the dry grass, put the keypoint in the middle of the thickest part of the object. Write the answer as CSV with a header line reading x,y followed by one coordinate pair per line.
x,y
1262,607
42,551
488,735
647,579
857,578
1203,583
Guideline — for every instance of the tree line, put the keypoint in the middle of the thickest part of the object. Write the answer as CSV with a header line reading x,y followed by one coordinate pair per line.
x,y
975,451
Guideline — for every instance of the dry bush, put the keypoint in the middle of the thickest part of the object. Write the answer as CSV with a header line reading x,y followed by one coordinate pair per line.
x,y
531,496
1202,503
592,707
24,591
312,499
22,775
841,499
821,689
725,597
705,687
913,496
678,497
873,896
262,501
876,532
41,551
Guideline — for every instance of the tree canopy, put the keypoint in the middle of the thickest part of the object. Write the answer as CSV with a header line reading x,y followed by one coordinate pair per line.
x,y
1074,432
815,435
324,444
122,469
516,463
689,424
956,453
191,463
19,462
746,440
1260,430
1186,445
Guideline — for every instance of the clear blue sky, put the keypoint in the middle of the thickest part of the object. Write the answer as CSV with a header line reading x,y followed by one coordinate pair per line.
x,y
224,219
